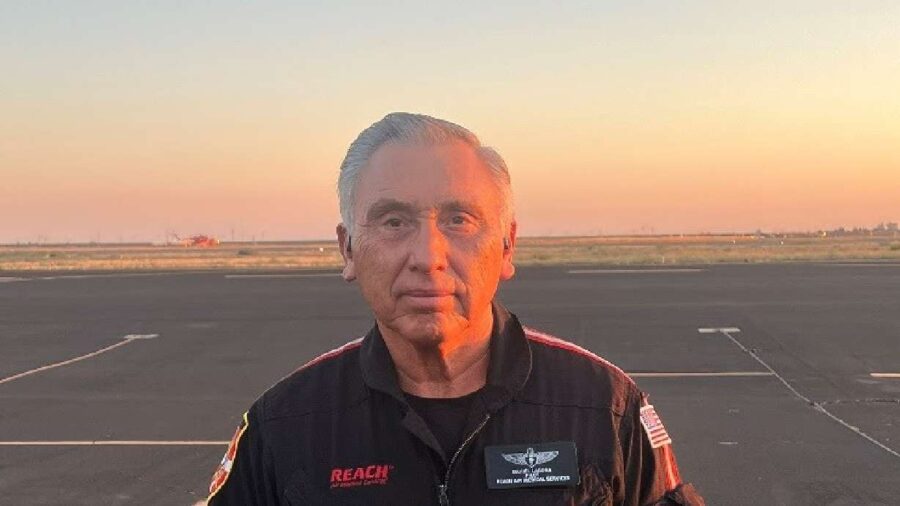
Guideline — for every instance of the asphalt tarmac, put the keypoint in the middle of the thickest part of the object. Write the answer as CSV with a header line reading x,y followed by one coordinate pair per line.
x,y
790,410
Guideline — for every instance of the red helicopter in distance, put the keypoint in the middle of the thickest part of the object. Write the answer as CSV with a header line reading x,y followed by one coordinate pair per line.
x,y
197,241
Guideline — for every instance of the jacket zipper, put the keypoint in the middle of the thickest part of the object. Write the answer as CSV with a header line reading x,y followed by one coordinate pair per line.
x,y
443,498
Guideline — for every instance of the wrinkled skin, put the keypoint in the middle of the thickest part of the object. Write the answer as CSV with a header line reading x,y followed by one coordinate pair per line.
x,y
428,250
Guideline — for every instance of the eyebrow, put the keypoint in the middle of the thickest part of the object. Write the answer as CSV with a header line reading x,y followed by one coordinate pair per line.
x,y
384,206
462,205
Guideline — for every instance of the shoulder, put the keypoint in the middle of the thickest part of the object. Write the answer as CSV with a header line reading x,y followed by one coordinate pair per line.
x,y
328,382
564,372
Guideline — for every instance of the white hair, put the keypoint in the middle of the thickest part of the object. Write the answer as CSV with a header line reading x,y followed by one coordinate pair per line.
x,y
409,128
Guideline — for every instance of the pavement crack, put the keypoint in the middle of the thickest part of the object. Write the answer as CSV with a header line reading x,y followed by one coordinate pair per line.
x,y
818,406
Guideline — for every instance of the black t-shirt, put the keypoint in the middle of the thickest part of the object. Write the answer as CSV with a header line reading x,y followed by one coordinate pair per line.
x,y
445,417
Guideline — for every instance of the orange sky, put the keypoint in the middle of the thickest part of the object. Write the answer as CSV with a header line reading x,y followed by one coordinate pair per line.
x,y
121,122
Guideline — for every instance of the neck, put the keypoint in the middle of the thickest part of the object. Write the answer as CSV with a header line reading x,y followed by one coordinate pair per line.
x,y
455,366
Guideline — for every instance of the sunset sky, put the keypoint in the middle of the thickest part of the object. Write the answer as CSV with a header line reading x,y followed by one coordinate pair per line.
x,y
121,120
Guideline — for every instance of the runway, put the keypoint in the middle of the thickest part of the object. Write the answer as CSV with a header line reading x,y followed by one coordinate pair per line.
x,y
780,384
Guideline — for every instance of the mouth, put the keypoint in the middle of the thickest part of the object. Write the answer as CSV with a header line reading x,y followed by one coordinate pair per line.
x,y
428,293
429,299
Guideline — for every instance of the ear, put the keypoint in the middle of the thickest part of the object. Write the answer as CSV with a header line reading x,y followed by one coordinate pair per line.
x,y
344,243
507,270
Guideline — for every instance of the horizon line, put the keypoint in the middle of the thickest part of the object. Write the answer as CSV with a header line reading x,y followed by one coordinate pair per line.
x,y
819,233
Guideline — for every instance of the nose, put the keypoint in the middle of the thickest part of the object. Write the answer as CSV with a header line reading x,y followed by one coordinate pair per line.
x,y
428,251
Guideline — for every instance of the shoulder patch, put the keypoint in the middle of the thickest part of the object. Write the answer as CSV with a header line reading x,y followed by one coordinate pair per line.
x,y
224,469
653,426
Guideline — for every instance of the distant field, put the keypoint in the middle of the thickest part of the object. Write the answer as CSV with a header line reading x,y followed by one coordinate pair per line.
x,y
643,250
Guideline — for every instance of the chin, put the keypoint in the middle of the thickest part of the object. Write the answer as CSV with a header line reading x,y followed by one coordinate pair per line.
x,y
428,328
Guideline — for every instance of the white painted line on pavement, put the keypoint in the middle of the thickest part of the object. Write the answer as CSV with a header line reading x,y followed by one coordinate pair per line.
x,y
116,275
113,443
885,374
861,265
818,406
722,374
631,271
315,275
125,340
11,279
713,330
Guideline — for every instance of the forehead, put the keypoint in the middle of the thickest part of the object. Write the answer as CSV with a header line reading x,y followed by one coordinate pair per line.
x,y
426,176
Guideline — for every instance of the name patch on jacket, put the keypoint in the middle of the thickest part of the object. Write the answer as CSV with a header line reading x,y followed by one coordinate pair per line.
x,y
532,465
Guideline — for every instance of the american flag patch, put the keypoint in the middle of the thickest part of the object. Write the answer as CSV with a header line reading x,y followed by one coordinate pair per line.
x,y
654,428
224,469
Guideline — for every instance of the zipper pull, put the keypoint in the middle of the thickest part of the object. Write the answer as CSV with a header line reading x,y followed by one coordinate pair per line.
x,y
443,500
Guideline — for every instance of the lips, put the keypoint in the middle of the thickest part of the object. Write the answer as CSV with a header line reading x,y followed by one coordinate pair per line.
x,y
429,300
427,293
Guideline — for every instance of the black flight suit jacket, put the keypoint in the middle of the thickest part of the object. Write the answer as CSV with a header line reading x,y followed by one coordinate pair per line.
x,y
338,431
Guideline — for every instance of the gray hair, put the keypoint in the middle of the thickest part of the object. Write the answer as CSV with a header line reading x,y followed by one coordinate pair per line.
x,y
408,128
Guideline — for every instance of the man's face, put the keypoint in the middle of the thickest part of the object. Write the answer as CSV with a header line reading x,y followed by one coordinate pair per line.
x,y
428,247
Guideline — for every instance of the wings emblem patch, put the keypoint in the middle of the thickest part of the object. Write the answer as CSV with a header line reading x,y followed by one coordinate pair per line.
x,y
530,458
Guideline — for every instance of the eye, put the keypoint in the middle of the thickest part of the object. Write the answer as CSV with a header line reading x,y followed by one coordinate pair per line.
x,y
462,222
394,223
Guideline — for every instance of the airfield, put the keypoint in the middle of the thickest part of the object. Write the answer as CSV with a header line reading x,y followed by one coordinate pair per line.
x,y
779,383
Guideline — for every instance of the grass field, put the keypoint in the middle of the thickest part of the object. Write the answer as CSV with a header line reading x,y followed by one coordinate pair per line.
x,y
635,250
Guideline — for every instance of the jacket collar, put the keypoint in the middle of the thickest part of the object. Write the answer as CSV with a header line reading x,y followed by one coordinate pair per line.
x,y
508,370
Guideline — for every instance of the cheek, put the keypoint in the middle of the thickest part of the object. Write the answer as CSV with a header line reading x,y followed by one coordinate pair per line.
x,y
377,272
481,270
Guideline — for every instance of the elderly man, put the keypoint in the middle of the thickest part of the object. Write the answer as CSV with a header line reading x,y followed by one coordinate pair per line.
x,y
448,399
